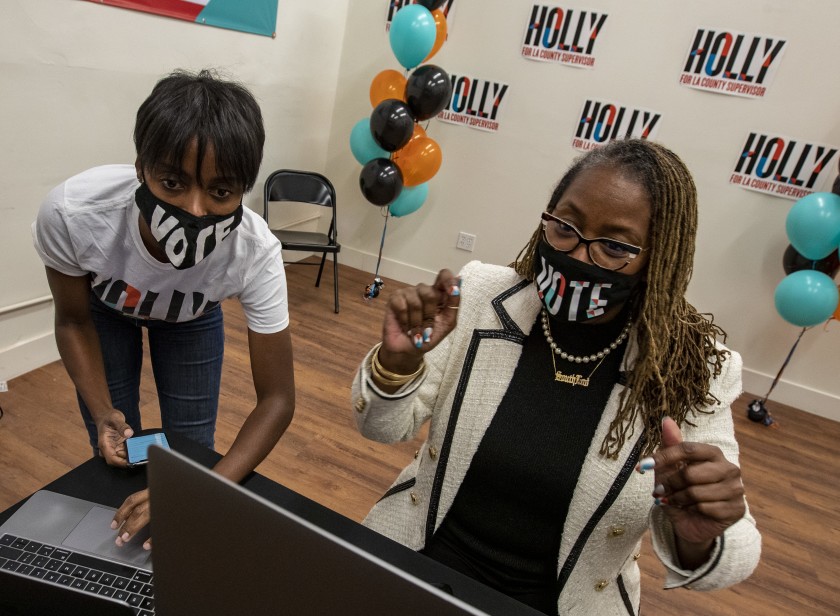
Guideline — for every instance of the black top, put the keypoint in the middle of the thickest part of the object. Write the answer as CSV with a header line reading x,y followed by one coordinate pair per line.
x,y
505,524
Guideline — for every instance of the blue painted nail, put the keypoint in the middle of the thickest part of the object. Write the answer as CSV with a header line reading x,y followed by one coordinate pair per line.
x,y
418,340
455,290
427,334
646,464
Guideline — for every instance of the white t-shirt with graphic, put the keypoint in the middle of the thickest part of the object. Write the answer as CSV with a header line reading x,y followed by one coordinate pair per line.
x,y
89,225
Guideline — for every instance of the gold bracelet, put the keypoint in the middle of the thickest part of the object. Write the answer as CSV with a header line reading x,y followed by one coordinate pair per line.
x,y
393,375
386,381
386,376
391,378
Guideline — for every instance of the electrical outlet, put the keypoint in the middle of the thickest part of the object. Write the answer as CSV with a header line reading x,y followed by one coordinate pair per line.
x,y
466,241
4,386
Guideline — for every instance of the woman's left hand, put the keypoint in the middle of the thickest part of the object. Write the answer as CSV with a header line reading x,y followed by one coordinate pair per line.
x,y
132,517
701,491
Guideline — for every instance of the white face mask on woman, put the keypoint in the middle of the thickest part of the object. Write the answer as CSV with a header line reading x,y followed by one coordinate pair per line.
x,y
186,239
572,290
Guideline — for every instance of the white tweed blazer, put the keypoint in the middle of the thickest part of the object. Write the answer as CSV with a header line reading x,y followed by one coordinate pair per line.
x,y
611,507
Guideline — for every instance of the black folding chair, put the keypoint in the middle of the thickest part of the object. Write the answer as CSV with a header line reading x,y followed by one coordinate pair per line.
x,y
287,185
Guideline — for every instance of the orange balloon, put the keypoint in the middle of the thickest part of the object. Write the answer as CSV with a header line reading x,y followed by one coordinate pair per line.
x,y
418,133
419,160
440,38
836,312
387,84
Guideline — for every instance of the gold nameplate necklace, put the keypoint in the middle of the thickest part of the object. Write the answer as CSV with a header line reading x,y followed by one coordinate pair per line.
x,y
578,379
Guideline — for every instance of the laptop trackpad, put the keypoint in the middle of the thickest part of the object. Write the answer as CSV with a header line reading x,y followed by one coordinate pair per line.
x,y
94,535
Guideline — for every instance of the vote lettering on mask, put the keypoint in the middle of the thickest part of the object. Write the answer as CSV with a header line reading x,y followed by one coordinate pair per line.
x,y
572,290
186,239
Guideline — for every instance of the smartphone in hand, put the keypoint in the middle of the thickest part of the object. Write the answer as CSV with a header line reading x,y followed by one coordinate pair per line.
x,y
137,447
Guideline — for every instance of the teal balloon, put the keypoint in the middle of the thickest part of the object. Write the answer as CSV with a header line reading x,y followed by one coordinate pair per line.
x,y
413,33
806,298
410,200
813,225
364,148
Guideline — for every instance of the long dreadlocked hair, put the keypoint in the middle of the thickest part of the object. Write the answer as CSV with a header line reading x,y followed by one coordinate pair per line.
x,y
676,344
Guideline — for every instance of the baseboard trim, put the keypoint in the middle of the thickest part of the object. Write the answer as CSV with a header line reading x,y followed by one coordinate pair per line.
x,y
792,394
27,355
36,352
388,268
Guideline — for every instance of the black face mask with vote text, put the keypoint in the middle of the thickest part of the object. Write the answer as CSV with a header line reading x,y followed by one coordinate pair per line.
x,y
186,239
572,290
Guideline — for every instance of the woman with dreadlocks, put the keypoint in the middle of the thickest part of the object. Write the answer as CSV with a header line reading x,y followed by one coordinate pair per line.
x,y
576,400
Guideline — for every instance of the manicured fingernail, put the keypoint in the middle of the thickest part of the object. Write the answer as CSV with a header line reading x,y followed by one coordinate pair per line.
x,y
147,546
418,340
659,490
455,290
119,542
114,525
661,501
125,537
646,464
427,334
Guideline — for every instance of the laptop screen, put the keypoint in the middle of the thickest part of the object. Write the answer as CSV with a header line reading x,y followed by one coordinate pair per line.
x,y
221,549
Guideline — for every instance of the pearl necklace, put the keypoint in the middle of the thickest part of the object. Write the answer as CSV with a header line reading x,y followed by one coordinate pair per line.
x,y
585,359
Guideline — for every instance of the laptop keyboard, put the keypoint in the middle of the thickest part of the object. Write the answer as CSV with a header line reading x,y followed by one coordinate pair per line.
x,y
80,571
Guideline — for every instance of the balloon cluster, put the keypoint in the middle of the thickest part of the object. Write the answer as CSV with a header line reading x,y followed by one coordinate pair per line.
x,y
397,155
808,295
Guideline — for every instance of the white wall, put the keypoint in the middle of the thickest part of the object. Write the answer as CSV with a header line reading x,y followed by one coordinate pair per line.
x,y
495,185
73,73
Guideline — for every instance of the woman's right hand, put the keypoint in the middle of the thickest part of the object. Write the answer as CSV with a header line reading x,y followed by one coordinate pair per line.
x,y
113,431
416,320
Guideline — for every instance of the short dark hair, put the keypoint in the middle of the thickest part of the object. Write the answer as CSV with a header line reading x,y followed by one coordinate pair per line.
x,y
185,106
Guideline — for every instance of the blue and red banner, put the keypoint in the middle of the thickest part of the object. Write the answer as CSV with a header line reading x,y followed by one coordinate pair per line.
x,y
254,16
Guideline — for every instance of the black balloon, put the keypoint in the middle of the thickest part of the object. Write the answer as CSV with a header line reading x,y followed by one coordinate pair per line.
x,y
792,261
430,4
427,91
381,181
391,124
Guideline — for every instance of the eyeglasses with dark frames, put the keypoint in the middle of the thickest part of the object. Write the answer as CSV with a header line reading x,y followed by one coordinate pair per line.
x,y
606,253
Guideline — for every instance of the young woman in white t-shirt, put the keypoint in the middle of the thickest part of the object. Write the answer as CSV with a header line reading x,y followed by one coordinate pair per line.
x,y
160,244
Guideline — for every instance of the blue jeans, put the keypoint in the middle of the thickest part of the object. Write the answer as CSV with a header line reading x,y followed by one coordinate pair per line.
x,y
186,361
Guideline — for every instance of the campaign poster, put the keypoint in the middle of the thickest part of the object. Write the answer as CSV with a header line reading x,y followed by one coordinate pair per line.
x,y
254,16
603,121
733,63
562,35
475,103
783,166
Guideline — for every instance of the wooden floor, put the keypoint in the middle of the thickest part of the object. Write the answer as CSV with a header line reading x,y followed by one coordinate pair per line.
x,y
792,474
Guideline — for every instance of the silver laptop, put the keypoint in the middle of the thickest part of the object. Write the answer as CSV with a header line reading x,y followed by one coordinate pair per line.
x,y
220,549
58,556
76,524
